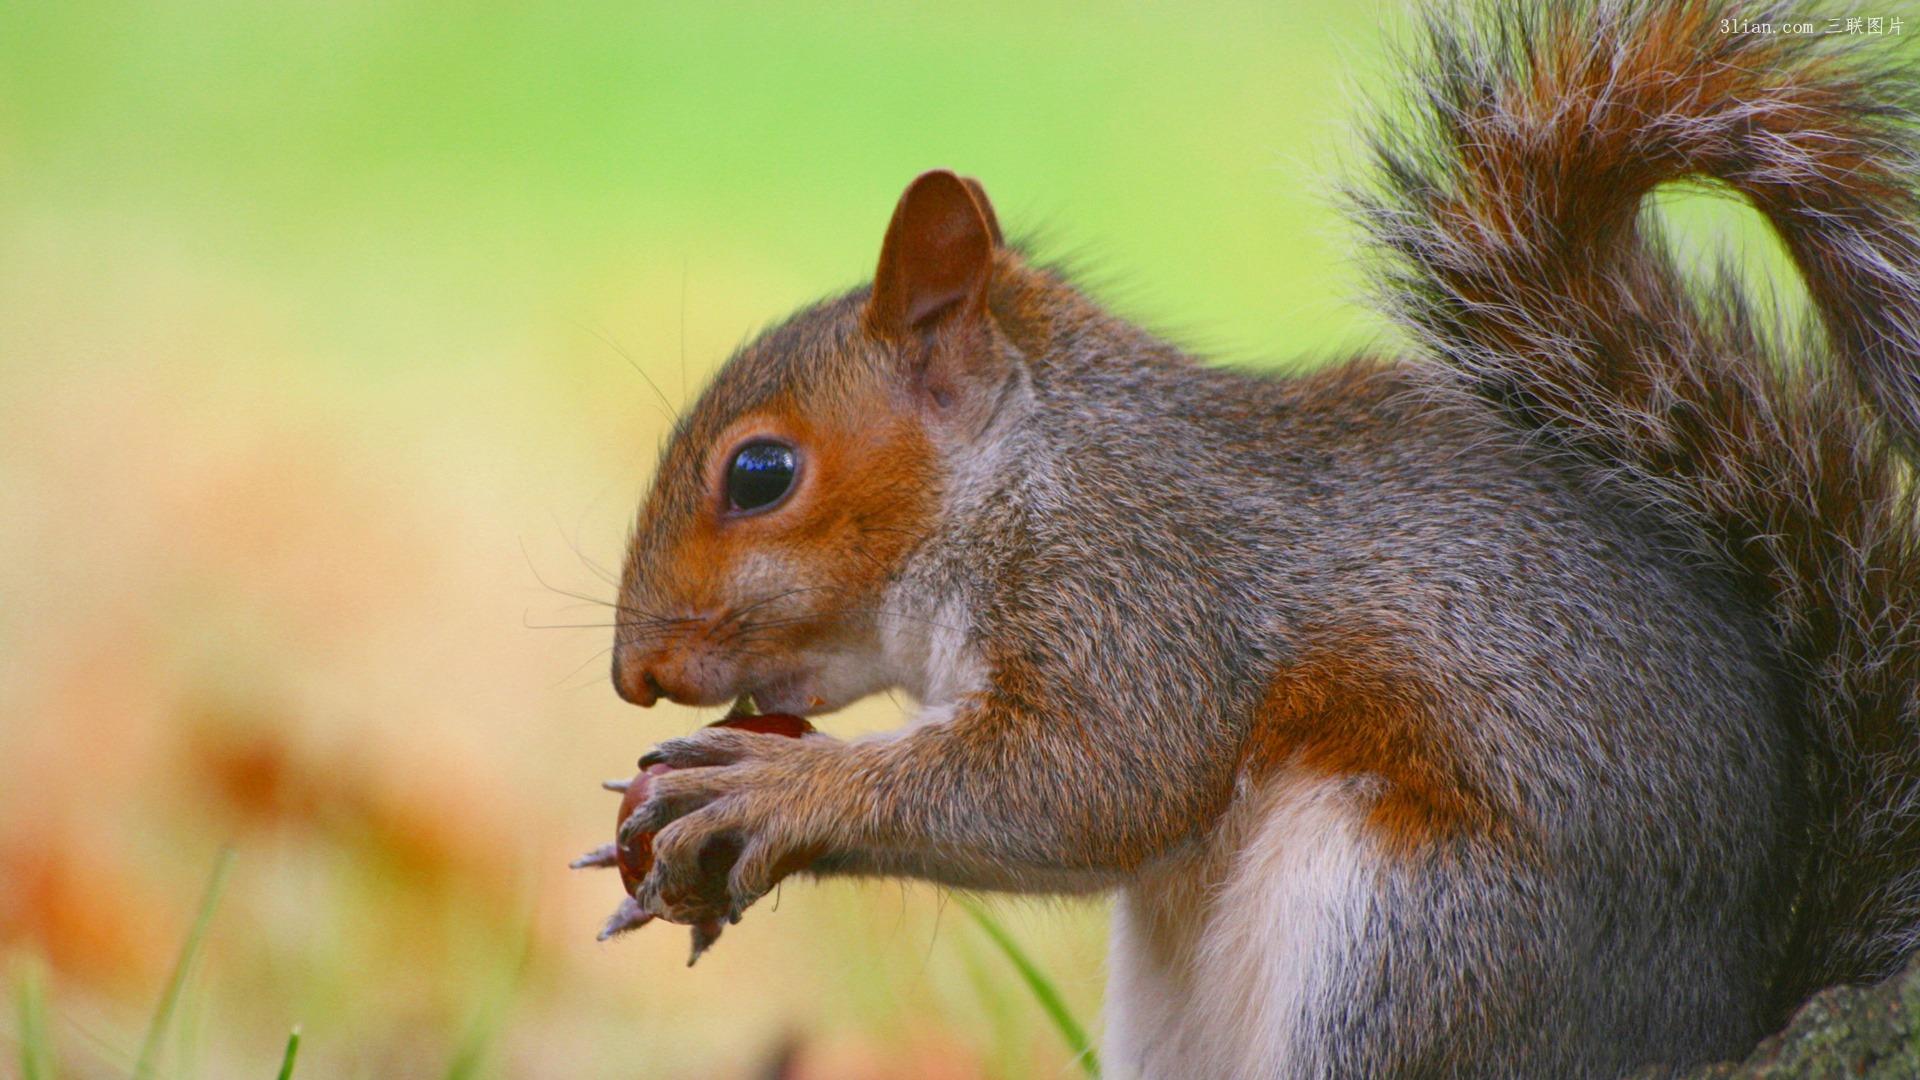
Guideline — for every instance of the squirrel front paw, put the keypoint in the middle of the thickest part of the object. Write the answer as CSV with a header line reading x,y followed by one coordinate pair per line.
x,y
740,811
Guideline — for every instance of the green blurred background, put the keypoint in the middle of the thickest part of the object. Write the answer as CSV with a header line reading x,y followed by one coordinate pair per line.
x,y
318,332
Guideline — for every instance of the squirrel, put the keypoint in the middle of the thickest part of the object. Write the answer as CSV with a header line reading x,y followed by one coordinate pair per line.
x,y
1543,702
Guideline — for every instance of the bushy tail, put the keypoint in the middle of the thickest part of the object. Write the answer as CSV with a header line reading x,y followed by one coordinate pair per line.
x,y
1509,209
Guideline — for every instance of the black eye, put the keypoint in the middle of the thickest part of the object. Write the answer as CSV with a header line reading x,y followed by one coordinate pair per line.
x,y
761,472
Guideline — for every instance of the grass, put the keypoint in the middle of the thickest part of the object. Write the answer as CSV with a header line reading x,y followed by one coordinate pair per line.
x,y
162,1023
1043,988
470,1055
292,1052
37,1061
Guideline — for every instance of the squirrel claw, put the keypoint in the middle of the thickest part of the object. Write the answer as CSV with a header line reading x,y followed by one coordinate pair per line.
x,y
628,829
604,855
628,916
616,785
704,935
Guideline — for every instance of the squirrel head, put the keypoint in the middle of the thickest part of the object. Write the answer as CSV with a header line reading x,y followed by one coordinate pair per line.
x,y
792,493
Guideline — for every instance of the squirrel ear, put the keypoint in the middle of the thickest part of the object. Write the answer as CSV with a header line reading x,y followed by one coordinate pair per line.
x,y
937,258
986,208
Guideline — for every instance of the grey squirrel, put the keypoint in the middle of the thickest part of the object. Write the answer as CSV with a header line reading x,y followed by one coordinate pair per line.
x,y
1543,704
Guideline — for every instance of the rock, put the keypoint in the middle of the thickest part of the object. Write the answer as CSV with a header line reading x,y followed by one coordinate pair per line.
x,y
1851,1032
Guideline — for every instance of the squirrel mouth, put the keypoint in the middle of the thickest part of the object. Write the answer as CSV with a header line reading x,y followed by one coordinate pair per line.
x,y
785,694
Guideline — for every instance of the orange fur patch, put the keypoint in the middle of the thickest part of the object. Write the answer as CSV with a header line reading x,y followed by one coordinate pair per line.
x,y
868,492
1351,709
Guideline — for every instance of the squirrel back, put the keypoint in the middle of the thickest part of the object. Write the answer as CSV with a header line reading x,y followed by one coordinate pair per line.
x,y
1509,209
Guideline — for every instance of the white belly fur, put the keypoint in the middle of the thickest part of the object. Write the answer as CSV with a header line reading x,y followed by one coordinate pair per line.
x,y
1225,963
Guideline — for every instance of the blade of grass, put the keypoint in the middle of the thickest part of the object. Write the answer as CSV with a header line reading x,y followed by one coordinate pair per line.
x,y
293,1051
1043,989
472,1051
170,1000
471,1055
36,1043
1012,1050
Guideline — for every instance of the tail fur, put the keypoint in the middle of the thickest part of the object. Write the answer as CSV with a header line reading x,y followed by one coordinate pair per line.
x,y
1509,209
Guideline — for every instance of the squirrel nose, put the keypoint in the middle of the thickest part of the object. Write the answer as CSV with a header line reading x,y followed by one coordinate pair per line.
x,y
634,680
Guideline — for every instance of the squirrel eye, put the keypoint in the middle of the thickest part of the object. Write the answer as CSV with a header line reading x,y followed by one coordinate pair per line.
x,y
761,472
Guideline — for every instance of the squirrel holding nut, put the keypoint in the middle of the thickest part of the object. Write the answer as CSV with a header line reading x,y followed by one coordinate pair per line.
x,y
1545,703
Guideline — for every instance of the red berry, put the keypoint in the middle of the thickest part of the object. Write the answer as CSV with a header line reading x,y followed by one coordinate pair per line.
x,y
634,855
773,723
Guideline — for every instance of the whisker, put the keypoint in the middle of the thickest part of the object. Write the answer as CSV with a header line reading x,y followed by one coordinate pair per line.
x,y
881,612
563,680
672,414
629,616
684,274
738,615
582,597
748,634
587,561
